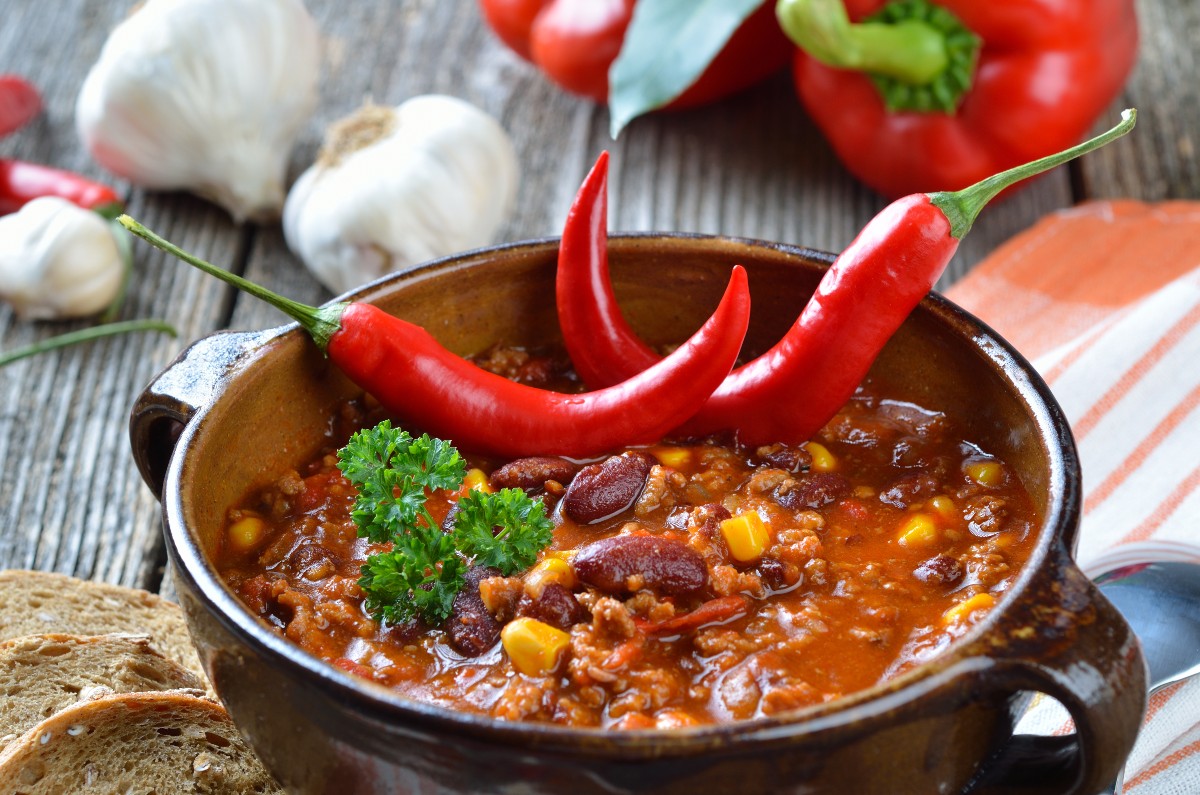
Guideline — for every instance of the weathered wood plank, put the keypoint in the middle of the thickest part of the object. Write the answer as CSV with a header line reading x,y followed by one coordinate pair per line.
x,y
75,503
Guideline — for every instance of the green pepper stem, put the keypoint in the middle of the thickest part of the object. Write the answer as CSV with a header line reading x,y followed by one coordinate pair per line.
x,y
320,322
962,207
85,335
911,51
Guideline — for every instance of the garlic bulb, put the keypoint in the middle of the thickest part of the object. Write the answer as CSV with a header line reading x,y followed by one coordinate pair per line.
x,y
58,260
393,187
204,95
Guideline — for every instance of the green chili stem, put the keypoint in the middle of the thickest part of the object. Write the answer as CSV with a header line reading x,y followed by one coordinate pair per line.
x,y
962,207
320,322
911,51
85,335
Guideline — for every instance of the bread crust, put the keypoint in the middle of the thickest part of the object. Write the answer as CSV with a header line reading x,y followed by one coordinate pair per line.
x,y
42,674
38,602
171,741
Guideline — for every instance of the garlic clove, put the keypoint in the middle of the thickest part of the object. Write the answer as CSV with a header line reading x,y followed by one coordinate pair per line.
x,y
58,261
204,95
394,187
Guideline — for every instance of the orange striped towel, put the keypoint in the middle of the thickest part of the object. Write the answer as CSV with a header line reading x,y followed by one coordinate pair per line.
x,y
1105,299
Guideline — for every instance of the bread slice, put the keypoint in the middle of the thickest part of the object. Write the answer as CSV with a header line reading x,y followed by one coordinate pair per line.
x,y
41,674
37,602
168,742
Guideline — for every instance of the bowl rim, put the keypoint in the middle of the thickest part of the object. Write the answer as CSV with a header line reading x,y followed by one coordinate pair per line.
x,y
854,712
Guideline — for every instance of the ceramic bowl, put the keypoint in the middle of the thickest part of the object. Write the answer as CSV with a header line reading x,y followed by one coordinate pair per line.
x,y
237,409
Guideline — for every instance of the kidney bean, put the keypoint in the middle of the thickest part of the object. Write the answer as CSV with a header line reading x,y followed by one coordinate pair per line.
x,y
909,489
601,491
471,629
940,570
532,473
662,565
785,457
555,606
815,490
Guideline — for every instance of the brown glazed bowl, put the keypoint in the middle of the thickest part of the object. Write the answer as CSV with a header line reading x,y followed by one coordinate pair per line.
x,y
238,409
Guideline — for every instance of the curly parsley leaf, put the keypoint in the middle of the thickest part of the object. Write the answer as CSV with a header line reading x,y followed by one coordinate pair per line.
x,y
419,578
423,571
504,530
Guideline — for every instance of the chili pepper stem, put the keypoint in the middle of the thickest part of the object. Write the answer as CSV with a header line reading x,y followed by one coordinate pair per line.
x,y
321,322
962,207
85,335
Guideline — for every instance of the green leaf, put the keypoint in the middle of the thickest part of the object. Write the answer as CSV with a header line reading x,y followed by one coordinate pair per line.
x,y
504,530
420,575
668,45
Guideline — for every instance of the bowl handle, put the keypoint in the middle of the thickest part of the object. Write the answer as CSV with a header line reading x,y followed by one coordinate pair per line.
x,y
187,385
1063,638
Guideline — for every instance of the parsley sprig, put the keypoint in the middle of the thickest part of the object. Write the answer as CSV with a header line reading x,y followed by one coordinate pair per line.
x,y
394,473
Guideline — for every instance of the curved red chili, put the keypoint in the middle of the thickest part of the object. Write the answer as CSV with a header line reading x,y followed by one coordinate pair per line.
x,y
20,102
859,303
21,183
412,375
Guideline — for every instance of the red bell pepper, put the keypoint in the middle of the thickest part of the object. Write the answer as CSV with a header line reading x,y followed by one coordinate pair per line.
x,y
574,42
921,95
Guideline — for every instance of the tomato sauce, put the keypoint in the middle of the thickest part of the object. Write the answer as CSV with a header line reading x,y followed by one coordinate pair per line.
x,y
722,584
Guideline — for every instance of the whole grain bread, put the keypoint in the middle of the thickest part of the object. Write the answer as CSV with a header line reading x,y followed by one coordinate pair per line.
x,y
38,602
41,674
167,742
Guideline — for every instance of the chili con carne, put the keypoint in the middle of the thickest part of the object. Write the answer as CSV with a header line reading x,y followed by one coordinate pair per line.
x,y
872,557
860,302
410,373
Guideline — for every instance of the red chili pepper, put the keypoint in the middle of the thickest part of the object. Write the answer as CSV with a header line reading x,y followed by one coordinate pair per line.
x,y
21,183
20,102
789,392
714,611
574,42
412,375
917,95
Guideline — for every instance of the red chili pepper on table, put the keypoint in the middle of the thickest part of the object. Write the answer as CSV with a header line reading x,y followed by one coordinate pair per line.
x,y
574,42
412,375
789,392
20,102
921,95
21,183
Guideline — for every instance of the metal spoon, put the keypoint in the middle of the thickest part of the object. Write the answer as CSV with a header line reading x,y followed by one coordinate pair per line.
x,y
1161,601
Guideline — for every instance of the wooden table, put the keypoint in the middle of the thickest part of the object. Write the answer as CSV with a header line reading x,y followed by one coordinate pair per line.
x,y
70,497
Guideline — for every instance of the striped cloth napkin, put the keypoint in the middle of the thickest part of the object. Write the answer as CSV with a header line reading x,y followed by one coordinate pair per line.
x,y
1104,298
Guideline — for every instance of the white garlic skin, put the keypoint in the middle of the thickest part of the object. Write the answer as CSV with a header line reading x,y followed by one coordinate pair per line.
x,y
204,95
58,260
442,181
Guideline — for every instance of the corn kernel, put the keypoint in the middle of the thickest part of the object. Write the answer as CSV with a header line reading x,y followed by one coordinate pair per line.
x,y
958,613
674,457
476,480
534,648
746,535
988,474
945,509
918,530
822,459
246,533
549,570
